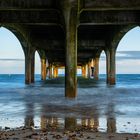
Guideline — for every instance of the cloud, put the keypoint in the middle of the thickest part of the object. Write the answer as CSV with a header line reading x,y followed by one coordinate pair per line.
x,y
126,62
125,55
7,59
128,55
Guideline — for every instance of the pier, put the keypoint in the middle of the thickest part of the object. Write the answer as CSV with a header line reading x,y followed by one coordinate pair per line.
x,y
71,34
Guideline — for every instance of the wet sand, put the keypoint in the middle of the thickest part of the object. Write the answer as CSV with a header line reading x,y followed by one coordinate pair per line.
x,y
34,134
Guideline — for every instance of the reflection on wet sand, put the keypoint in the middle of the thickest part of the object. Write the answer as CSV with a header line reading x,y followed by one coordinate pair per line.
x,y
48,123
73,129
111,120
111,125
72,123
29,121
68,127
29,117
90,123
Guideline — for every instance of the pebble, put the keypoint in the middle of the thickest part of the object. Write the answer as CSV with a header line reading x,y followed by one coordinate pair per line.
x,y
65,135
126,138
7,128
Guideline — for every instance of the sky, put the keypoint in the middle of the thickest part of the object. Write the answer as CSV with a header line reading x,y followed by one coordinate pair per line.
x,y
12,56
128,54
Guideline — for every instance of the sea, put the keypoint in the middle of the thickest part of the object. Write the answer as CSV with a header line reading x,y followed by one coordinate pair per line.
x,y
97,106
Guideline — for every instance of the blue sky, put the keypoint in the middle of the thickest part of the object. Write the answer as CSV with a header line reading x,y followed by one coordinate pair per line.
x,y
128,54
12,56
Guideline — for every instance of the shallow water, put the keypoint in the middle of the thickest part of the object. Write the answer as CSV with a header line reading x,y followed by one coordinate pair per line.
x,y
97,106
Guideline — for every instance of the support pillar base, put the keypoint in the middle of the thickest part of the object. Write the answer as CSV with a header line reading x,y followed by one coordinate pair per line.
x,y
70,92
96,78
112,81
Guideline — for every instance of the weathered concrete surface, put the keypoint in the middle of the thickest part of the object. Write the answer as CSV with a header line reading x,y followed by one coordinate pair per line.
x,y
43,69
71,51
112,78
96,69
29,66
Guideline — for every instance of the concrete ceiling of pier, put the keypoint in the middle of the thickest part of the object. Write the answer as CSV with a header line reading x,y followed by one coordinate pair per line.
x,y
99,21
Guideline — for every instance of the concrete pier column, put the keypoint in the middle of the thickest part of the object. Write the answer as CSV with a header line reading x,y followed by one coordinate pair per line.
x,y
83,71
55,72
29,66
96,68
50,71
43,69
71,52
89,69
107,65
27,70
86,71
47,69
92,67
33,68
112,76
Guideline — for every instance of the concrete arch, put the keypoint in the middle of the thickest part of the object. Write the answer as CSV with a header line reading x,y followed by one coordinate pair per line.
x,y
111,49
98,53
37,66
120,34
97,61
102,65
126,38
12,50
90,69
21,33
41,53
44,64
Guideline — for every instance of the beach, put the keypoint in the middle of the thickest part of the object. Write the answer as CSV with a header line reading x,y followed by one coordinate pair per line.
x,y
30,134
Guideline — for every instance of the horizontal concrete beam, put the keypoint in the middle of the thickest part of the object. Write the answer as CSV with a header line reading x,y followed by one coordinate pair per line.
x,y
109,17
48,46
58,62
109,5
59,57
56,46
50,16
91,44
28,4
85,54
83,59
85,48
56,55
